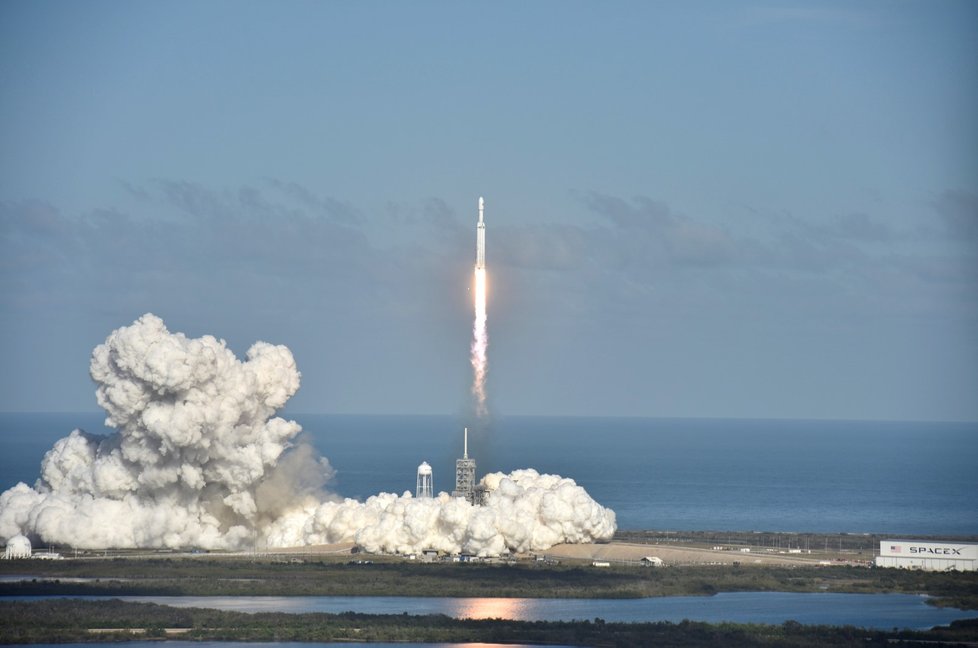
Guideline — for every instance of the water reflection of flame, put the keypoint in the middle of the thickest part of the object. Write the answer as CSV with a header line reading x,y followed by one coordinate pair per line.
x,y
490,608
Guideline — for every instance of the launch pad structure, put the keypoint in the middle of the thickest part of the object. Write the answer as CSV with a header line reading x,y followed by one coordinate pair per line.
x,y
465,472
465,486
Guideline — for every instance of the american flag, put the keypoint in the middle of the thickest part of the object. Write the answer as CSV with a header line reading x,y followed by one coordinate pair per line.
x,y
895,548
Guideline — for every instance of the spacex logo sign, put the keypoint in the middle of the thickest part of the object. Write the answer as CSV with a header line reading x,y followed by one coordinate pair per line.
x,y
922,554
937,551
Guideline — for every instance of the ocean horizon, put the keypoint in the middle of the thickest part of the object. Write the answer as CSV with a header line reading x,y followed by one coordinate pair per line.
x,y
782,475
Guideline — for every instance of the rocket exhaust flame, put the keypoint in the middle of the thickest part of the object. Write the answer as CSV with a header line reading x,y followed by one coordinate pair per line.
x,y
480,338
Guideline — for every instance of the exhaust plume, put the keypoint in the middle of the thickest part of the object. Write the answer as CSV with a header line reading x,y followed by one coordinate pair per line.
x,y
480,339
525,511
480,344
199,459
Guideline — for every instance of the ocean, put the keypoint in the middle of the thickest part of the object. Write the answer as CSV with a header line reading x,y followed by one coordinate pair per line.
x,y
898,478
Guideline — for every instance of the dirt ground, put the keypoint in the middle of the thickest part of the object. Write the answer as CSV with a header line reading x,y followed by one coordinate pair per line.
x,y
319,550
620,552
673,555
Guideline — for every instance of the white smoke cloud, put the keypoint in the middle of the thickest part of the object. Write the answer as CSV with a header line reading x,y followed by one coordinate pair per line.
x,y
200,460
525,511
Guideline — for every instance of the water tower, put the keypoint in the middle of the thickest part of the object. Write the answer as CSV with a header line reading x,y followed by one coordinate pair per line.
x,y
17,547
425,486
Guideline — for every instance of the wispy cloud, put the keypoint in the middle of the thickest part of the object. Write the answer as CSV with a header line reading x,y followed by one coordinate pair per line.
x,y
959,213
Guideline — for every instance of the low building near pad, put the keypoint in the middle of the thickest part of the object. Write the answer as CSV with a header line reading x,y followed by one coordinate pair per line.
x,y
928,555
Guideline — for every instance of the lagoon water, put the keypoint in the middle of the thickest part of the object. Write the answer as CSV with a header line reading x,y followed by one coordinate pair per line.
x,y
880,611
689,474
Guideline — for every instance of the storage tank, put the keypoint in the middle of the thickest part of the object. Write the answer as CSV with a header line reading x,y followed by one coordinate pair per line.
x,y
18,547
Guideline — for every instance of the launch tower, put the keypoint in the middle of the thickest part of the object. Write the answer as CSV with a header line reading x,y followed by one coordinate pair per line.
x,y
465,473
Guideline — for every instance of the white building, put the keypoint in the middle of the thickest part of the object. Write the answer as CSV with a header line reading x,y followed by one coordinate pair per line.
x,y
17,547
929,555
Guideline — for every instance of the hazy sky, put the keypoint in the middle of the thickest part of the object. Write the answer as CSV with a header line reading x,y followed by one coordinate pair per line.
x,y
694,209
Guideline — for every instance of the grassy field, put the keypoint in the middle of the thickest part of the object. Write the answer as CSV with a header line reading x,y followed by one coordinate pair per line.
x,y
205,576
59,621
825,544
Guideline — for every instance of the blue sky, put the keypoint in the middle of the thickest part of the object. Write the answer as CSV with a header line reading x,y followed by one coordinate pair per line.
x,y
724,209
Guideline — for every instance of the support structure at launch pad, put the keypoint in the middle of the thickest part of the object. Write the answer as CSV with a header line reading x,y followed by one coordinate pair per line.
x,y
465,486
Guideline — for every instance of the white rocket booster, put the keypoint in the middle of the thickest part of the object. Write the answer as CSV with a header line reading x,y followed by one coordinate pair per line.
x,y
480,239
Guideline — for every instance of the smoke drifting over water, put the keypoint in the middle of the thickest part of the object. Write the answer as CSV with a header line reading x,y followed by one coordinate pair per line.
x,y
200,460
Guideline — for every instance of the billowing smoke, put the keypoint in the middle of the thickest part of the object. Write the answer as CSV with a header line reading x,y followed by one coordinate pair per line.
x,y
200,460
480,344
196,439
525,511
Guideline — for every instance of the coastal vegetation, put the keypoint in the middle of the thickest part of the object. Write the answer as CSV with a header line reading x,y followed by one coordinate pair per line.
x,y
230,576
65,620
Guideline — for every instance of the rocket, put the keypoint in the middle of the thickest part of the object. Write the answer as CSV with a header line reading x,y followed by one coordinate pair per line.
x,y
480,239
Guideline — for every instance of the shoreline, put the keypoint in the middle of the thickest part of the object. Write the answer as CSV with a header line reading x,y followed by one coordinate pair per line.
x,y
63,621
337,575
334,571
